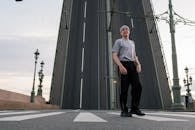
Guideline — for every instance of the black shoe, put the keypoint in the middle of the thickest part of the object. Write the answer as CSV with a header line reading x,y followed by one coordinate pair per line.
x,y
126,114
137,112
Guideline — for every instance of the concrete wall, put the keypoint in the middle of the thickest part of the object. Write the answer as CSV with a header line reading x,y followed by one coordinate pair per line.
x,y
12,100
17,97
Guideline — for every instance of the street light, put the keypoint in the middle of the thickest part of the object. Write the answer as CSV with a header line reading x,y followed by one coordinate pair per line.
x,y
41,75
187,82
33,88
176,87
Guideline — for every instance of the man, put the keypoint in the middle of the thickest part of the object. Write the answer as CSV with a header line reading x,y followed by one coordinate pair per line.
x,y
124,56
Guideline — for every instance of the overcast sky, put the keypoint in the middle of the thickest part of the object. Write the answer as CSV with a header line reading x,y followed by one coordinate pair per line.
x,y
31,24
24,27
185,38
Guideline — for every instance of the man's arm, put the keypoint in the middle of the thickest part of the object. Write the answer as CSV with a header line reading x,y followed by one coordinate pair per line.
x,y
117,61
138,65
137,61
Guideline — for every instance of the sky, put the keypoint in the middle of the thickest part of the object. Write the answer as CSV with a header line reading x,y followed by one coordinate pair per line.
x,y
33,24
184,37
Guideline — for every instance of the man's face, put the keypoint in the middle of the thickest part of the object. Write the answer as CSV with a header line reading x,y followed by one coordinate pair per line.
x,y
125,32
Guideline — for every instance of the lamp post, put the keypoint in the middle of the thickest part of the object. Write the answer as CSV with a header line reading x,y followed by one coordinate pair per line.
x,y
176,87
41,75
33,88
187,82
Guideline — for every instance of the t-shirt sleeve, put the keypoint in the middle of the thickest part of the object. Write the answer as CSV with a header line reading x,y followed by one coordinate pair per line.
x,y
116,46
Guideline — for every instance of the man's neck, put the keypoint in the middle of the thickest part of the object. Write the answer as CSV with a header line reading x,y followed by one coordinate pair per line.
x,y
125,38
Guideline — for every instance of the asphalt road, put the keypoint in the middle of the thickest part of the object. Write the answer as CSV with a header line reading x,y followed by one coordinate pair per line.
x,y
96,120
82,83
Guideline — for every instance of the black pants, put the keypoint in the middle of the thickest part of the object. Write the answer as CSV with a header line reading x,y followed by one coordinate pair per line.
x,y
132,78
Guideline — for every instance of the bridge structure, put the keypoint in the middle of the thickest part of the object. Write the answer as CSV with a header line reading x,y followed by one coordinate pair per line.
x,y
84,75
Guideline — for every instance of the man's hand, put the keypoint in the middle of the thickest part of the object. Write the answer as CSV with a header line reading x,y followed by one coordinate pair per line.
x,y
123,70
138,68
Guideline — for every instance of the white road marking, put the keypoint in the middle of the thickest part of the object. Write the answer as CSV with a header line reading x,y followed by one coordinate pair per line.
x,y
85,9
4,111
83,54
82,59
26,117
84,30
173,114
81,93
148,117
188,113
77,110
88,117
158,118
132,25
17,112
114,113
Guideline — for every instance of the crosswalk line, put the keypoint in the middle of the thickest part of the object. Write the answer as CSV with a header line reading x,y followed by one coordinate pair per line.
x,y
26,117
4,111
157,118
153,118
186,113
16,112
77,110
88,117
173,114
91,117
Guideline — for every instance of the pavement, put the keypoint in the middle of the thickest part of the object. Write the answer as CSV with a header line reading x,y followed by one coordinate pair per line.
x,y
94,120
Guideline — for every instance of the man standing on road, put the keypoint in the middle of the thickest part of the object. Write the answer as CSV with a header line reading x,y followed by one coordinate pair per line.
x,y
124,56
